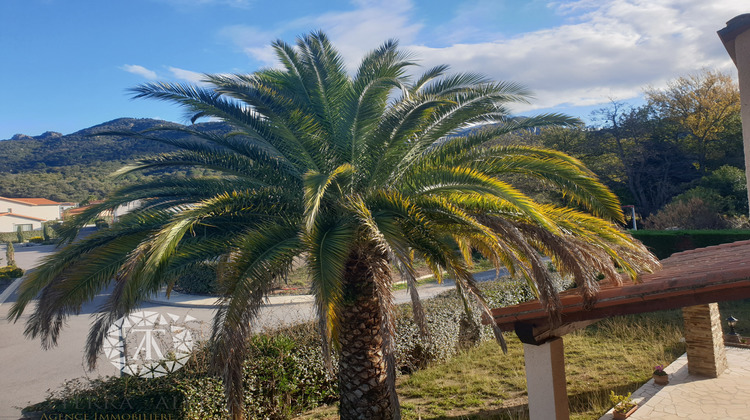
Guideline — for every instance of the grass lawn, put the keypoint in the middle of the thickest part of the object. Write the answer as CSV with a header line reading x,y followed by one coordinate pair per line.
x,y
614,354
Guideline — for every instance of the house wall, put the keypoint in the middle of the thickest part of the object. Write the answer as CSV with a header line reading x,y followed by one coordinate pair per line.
x,y
126,208
742,53
46,212
9,223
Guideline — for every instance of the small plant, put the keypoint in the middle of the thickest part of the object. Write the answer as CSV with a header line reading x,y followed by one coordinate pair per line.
x,y
36,240
659,370
551,267
622,403
10,272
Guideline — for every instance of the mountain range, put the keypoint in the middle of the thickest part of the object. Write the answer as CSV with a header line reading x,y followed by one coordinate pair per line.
x,y
78,166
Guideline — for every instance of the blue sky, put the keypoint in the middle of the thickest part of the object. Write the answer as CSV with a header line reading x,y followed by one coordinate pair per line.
x,y
67,64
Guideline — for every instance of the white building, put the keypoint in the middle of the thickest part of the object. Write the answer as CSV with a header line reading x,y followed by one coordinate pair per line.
x,y
108,215
10,222
27,213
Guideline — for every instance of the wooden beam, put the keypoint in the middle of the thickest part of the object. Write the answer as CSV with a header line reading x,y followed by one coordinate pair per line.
x,y
541,333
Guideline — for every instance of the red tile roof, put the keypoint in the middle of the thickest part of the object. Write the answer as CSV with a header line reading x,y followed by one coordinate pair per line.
x,y
22,216
32,201
699,276
77,210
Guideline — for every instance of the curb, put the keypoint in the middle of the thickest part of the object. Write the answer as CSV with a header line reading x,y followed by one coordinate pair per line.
x,y
187,304
270,300
195,303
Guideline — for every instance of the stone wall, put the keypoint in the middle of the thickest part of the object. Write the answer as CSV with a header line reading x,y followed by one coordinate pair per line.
x,y
705,340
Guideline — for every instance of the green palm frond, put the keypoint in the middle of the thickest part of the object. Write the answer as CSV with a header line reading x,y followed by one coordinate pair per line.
x,y
259,257
468,180
257,150
316,185
328,247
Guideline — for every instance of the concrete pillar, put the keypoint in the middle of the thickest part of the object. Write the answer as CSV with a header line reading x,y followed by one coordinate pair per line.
x,y
705,340
736,39
545,380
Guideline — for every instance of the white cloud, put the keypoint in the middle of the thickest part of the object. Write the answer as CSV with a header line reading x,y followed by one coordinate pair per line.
x,y
358,31
354,32
252,41
606,48
140,71
186,75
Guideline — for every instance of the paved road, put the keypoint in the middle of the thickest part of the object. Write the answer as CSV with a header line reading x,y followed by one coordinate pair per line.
x,y
27,371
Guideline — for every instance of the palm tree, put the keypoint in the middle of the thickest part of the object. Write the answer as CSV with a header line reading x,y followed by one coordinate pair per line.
x,y
355,173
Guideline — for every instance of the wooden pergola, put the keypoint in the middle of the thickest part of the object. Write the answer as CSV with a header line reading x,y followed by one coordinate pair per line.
x,y
692,280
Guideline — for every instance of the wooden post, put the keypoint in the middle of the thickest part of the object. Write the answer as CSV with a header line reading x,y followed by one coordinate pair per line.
x,y
545,380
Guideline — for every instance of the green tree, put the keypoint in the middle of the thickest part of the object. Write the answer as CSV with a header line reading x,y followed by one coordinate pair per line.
x,y
707,108
637,153
353,172
725,189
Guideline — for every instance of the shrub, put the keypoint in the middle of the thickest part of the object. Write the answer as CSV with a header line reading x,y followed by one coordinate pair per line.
x,y
693,213
284,375
101,224
36,240
284,371
10,272
201,280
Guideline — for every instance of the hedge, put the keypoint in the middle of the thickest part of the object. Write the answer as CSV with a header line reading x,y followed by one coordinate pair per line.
x,y
201,280
27,235
664,243
13,236
284,373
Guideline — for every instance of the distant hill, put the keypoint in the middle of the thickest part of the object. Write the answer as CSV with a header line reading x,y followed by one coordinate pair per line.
x,y
77,166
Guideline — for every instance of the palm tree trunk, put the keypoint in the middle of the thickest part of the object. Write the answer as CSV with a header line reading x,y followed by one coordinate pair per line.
x,y
363,376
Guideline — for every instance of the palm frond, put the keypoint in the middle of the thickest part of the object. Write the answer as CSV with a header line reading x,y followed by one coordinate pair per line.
x,y
316,185
328,245
259,257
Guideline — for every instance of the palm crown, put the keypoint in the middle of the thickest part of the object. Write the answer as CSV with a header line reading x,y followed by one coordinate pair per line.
x,y
357,174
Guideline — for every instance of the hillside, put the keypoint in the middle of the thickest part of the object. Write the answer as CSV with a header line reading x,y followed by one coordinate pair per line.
x,y
76,166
